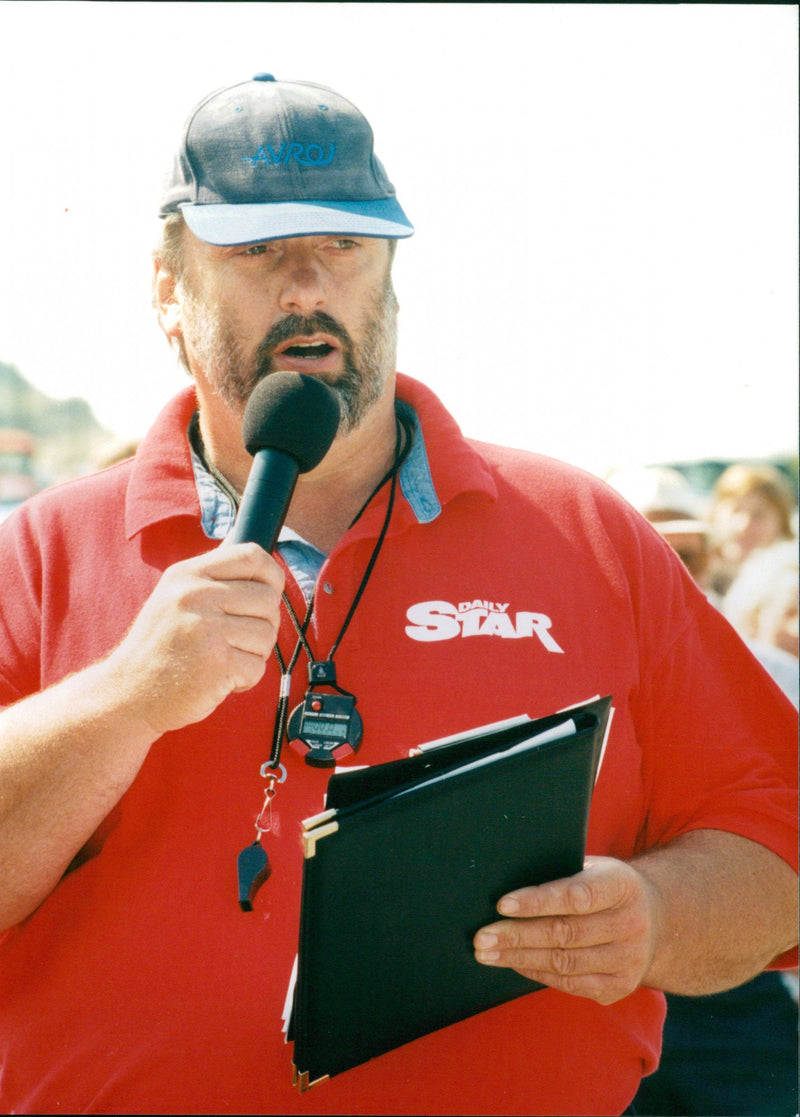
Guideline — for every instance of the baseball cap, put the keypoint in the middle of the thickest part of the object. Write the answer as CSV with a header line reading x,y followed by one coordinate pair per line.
x,y
265,159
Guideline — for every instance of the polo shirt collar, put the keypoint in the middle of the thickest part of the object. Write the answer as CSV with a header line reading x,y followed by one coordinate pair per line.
x,y
440,466
451,464
161,485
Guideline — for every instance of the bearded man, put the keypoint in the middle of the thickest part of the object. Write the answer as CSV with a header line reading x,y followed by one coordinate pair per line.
x,y
146,669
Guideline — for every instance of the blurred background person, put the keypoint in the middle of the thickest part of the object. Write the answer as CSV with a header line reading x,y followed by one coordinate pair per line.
x,y
762,601
735,1052
756,559
751,508
755,553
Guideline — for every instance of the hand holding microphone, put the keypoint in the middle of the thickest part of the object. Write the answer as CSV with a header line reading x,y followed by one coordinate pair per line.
x,y
211,622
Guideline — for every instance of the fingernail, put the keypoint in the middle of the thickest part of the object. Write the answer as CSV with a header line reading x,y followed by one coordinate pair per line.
x,y
508,906
487,956
485,941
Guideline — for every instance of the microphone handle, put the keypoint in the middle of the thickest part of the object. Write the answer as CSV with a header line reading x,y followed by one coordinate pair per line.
x,y
266,499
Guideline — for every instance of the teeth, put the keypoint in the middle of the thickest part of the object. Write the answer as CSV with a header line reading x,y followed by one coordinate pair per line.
x,y
312,348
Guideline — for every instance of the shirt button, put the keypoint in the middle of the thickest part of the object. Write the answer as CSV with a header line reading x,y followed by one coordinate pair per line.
x,y
328,587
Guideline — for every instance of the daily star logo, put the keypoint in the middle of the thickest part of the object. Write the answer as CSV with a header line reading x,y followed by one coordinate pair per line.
x,y
442,620
307,155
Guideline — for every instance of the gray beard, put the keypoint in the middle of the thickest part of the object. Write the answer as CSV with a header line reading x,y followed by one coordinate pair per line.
x,y
233,374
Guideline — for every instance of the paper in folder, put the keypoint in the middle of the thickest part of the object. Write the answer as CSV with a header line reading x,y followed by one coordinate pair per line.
x,y
409,861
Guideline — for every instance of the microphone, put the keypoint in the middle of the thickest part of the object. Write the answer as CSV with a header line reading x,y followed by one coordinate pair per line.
x,y
289,424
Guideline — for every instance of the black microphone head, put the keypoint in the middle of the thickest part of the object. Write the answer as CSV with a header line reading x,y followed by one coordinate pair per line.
x,y
294,413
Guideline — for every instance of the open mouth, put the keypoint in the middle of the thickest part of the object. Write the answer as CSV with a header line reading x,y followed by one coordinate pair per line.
x,y
311,350
317,352
311,346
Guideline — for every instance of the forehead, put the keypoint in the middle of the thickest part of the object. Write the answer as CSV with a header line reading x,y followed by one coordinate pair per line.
x,y
377,247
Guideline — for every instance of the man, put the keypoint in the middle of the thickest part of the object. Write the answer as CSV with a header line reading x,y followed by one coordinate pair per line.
x,y
455,584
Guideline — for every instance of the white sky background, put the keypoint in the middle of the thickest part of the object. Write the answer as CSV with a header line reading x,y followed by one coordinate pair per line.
x,y
605,197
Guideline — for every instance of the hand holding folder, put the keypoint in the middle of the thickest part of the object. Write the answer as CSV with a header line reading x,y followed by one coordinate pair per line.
x,y
409,861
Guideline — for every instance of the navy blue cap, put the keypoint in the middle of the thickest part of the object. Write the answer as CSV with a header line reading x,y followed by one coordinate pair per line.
x,y
266,159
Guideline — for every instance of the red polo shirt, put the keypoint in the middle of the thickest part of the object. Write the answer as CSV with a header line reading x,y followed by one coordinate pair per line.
x,y
139,985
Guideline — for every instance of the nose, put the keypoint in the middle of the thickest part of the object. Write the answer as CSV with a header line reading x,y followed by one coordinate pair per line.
x,y
302,284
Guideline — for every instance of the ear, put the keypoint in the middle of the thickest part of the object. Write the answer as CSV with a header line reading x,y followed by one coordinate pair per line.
x,y
166,300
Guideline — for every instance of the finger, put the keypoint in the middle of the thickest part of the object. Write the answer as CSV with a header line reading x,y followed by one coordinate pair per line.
x,y
603,883
561,932
252,635
604,973
604,988
248,599
557,962
240,672
247,670
245,561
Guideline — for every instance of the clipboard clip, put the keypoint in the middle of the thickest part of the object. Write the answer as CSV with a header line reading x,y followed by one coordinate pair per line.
x,y
320,826
300,1080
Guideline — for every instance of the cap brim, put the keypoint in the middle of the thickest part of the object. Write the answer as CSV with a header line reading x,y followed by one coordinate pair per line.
x,y
249,223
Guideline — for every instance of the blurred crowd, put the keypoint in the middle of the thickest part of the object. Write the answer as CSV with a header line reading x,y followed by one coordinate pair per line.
x,y
740,546
735,1052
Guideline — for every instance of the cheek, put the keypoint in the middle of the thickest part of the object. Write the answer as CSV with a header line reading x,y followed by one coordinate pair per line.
x,y
767,527
246,313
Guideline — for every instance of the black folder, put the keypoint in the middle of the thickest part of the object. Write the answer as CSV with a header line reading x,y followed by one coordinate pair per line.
x,y
409,861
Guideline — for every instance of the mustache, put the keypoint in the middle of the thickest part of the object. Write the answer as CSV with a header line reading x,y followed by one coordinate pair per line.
x,y
295,325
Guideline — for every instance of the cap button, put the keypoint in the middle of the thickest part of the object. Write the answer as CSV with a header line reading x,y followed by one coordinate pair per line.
x,y
263,77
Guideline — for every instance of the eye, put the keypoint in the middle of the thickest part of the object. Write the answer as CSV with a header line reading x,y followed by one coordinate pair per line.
x,y
255,250
344,243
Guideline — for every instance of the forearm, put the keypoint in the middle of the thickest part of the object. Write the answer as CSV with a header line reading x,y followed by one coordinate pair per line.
x,y
67,755
723,908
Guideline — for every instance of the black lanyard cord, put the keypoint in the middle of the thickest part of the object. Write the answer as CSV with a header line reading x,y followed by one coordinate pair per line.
x,y
282,711
281,716
370,565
